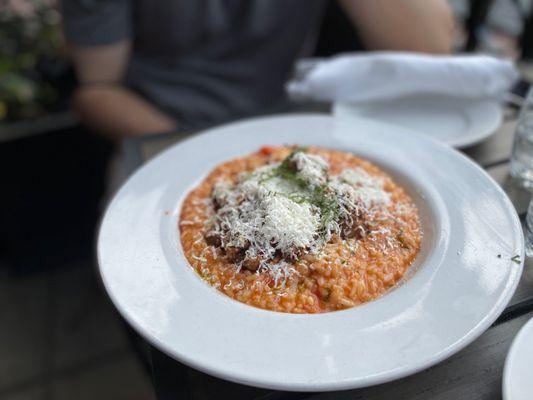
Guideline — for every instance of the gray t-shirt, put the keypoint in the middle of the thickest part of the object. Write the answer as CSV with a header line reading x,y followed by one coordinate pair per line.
x,y
201,60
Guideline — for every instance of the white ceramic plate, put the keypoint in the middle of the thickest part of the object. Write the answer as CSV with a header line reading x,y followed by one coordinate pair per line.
x,y
456,122
517,382
459,288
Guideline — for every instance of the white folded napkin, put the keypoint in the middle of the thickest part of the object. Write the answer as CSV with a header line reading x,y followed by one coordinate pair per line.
x,y
377,76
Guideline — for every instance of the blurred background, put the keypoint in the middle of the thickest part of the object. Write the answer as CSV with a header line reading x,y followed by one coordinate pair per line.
x,y
60,338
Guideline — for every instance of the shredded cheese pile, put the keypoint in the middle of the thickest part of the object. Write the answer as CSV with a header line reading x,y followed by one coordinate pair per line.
x,y
259,213
366,188
280,211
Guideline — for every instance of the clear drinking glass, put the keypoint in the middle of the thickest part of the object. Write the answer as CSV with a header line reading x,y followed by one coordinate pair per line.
x,y
522,156
529,230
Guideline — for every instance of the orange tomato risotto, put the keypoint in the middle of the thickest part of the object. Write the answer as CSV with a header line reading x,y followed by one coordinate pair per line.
x,y
300,230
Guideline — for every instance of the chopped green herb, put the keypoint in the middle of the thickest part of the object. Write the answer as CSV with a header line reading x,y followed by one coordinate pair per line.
x,y
516,259
401,239
297,198
326,293
343,262
284,171
318,196
247,175
206,276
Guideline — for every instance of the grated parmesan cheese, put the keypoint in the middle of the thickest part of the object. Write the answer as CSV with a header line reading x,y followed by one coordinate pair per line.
x,y
269,213
311,168
259,215
363,187
279,272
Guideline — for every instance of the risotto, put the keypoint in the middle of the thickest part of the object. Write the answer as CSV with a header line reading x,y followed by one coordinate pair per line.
x,y
300,230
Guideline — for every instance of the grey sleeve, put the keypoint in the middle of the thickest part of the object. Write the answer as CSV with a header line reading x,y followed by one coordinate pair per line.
x,y
96,22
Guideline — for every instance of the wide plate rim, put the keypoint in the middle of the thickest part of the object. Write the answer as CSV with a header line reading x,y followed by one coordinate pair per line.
x,y
491,108
313,386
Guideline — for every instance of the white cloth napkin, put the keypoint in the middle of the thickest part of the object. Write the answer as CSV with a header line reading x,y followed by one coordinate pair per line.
x,y
379,76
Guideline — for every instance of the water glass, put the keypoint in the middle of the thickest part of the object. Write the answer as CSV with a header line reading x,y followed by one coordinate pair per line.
x,y
522,155
529,230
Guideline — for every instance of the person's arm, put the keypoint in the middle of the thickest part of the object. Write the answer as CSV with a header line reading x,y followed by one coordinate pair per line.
x,y
410,25
103,103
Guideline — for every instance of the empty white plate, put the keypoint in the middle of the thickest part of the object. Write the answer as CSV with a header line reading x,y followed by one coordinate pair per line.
x,y
518,370
454,121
